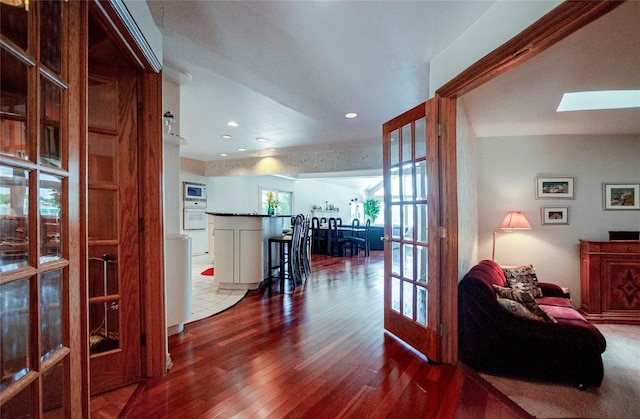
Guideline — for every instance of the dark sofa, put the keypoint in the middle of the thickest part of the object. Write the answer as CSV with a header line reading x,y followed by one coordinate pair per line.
x,y
496,341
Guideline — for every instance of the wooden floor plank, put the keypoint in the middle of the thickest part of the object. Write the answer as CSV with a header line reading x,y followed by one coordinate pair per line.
x,y
319,351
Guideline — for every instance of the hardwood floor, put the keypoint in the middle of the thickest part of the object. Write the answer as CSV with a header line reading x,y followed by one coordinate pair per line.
x,y
319,351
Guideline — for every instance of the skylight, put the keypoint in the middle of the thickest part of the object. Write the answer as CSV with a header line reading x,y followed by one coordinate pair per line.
x,y
599,100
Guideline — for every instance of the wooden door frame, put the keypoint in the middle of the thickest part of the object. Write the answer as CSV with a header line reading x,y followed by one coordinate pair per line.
x,y
556,25
150,171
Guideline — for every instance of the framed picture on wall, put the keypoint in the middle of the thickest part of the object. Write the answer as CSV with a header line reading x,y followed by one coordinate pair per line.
x,y
555,215
554,187
621,196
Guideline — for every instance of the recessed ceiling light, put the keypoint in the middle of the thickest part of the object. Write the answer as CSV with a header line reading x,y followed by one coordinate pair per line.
x,y
223,154
242,149
232,123
226,136
350,115
599,100
261,140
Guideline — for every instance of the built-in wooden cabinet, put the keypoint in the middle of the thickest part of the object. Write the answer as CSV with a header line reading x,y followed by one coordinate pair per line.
x,y
610,281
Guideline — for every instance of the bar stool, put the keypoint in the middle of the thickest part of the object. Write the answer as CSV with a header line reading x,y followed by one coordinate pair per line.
x,y
283,246
289,256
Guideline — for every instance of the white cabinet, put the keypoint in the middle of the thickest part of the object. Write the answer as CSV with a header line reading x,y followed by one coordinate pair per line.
x,y
240,244
210,240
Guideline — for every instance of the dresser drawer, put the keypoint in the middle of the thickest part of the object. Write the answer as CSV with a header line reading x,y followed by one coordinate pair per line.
x,y
618,246
622,247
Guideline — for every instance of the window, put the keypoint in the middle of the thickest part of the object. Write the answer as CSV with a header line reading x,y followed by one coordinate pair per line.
x,y
281,201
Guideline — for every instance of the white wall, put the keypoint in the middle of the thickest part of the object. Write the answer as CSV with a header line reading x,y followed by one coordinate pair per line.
x,y
314,192
503,21
241,194
467,178
171,163
507,171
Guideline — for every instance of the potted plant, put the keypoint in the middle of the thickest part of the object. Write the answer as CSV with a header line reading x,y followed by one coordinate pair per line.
x,y
272,204
372,209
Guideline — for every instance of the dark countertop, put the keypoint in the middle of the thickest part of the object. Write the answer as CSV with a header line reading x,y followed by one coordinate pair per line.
x,y
238,214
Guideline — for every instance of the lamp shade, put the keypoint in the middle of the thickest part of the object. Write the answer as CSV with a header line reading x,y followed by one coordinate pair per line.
x,y
515,220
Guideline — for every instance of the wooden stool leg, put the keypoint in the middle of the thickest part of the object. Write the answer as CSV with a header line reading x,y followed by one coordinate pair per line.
x,y
270,273
282,266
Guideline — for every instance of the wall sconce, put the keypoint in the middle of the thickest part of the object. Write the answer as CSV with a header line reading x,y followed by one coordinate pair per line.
x,y
168,122
515,220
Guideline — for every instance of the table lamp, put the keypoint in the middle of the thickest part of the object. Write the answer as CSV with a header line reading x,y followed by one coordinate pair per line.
x,y
515,220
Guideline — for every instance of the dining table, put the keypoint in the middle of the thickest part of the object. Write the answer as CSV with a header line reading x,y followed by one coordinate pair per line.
x,y
323,231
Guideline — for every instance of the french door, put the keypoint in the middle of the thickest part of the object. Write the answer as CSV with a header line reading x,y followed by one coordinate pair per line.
x,y
39,316
411,278
112,221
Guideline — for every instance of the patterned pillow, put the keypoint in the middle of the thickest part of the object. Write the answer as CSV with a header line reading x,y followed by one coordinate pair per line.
x,y
526,300
518,309
523,278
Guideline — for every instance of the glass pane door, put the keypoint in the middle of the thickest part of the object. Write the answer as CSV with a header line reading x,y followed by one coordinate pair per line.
x,y
411,313
36,342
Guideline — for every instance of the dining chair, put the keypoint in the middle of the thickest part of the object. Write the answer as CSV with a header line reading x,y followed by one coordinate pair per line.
x,y
305,247
355,223
318,238
361,242
296,265
336,243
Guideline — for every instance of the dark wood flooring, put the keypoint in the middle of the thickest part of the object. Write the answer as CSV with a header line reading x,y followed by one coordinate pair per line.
x,y
319,351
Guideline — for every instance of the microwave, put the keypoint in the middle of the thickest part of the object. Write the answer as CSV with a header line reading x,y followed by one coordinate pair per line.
x,y
195,191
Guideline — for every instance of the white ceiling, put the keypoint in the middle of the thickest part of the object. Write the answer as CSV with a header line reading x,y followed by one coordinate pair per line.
x,y
289,70
604,55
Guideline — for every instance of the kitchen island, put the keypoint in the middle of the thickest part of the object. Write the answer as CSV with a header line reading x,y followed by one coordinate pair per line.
x,y
240,245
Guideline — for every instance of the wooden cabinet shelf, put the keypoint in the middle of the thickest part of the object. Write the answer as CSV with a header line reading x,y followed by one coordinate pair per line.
x,y
610,281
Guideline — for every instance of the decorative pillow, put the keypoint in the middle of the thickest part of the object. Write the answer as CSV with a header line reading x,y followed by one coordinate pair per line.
x,y
525,299
518,309
523,278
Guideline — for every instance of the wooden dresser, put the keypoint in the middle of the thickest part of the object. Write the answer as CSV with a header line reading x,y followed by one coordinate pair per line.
x,y
610,281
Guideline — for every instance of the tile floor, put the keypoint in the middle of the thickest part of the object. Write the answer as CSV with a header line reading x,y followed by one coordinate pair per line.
x,y
206,298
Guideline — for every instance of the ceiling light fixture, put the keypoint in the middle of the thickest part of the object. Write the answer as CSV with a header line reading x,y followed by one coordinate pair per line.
x,y
226,136
272,149
242,149
223,154
350,115
232,123
599,100
261,140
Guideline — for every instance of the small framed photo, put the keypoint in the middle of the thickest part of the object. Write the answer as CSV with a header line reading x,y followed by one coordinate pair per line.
x,y
555,215
621,196
554,187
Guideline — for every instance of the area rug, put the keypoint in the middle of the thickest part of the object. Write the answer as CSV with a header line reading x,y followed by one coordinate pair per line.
x,y
207,272
618,397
